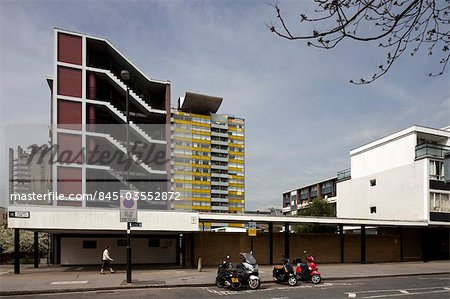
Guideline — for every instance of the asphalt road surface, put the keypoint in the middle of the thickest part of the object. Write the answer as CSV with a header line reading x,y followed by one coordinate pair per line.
x,y
425,286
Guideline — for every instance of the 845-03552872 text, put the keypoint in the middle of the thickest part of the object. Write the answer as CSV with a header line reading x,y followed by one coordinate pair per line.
x,y
96,196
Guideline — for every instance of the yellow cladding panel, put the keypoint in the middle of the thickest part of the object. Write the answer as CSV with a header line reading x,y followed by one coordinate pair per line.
x,y
192,182
203,208
186,199
236,161
193,190
200,149
236,200
200,157
193,131
192,165
206,158
236,169
236,185
235,209
236,137
235,153
193,173
191,140
237,177
235,145
236,193
236,225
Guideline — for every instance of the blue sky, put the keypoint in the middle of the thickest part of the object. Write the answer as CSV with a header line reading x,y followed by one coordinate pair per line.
x,y
302,115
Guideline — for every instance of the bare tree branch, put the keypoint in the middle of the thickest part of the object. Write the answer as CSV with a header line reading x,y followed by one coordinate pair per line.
x,y
398,26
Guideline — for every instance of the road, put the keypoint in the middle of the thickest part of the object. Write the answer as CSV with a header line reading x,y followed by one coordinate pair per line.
x,y
425,286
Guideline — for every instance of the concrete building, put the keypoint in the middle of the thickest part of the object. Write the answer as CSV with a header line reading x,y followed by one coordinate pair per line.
x,y
208,156
400,176
96,92
19,172
299,198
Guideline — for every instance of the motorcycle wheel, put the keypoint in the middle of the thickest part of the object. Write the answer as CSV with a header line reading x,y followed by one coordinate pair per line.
x,y
219,282
253,284
292,281
316,279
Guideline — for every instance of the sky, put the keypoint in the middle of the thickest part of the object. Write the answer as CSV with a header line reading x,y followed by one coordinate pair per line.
x,y
302,115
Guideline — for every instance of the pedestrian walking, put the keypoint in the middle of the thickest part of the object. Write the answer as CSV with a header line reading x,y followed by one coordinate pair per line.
x,y
106,260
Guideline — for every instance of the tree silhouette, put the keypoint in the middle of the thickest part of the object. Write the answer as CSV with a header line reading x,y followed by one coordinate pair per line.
x,y
400,26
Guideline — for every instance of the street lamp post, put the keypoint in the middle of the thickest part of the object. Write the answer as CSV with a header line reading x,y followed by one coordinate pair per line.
x,y
125,75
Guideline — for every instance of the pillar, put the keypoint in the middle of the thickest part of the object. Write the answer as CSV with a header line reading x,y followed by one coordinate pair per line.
x,y
363,244
36,249
402,244
270,243
16,251
286,239
341,237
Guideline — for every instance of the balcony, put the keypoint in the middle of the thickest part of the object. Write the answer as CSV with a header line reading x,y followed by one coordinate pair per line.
x,y
431,150
344,175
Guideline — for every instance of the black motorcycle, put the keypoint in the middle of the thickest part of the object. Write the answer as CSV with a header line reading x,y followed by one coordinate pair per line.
x,y
243,274
223,273
285,273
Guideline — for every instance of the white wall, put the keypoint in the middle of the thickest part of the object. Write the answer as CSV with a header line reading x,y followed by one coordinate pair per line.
x,y
73,253
400,193
383,157
100,219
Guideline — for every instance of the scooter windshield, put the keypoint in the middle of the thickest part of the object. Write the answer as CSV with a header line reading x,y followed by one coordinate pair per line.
x,y
249,258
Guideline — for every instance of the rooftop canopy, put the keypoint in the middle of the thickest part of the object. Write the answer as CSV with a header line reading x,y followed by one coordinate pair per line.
x,y
199,103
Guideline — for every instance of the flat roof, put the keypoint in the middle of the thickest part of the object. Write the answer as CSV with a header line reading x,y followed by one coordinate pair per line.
x,y
425,131
240,218
199,103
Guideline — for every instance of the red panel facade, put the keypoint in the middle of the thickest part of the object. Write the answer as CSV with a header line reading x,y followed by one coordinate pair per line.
x,y
69,115
69,148
69,182
69,48
69,82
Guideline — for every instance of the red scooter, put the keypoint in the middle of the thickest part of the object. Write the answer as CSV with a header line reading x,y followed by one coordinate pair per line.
x,y
308,271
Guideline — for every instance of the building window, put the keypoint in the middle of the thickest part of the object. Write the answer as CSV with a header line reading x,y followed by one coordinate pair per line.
x,y
373,183
437,170
89,244
373,210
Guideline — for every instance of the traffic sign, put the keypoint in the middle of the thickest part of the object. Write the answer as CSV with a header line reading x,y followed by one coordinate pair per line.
x,y
252,229
128,205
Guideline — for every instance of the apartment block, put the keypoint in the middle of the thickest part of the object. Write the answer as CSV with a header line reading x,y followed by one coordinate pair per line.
x,y
299,198
208,161
400,176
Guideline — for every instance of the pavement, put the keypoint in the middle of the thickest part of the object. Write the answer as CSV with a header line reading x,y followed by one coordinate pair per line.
x,y
59,279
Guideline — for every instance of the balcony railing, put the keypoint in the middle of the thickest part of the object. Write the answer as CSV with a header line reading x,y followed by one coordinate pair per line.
x,y
344,175
431,150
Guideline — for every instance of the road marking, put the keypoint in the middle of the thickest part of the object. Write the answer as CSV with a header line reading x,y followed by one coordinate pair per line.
x,y
396,292
226,292
70,282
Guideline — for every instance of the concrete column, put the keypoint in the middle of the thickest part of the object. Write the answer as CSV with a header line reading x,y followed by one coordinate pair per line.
x,y
36,249
270,243
341,237
363,244
16,251
402,244
286,240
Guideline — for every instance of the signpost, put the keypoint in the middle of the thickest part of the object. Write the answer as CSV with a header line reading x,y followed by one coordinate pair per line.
x,y
128,214
251,233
